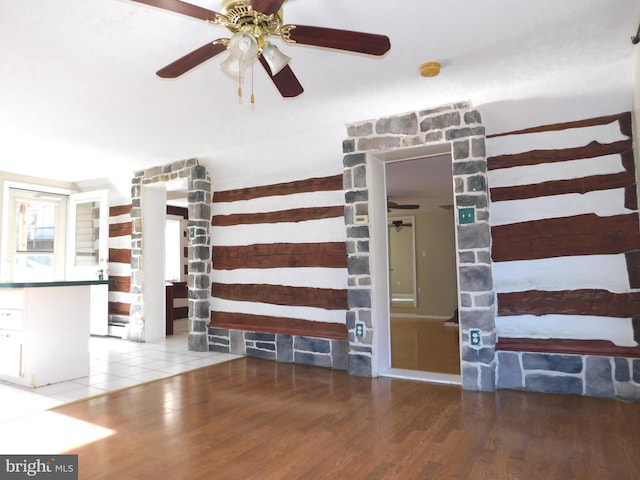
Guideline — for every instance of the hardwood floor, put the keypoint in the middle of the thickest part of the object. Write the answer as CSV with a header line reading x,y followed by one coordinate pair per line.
x,y
255,419
424,344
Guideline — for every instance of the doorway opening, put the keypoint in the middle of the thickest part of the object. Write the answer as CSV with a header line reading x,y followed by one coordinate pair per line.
x,y
176,261
148,218
423,292
454,129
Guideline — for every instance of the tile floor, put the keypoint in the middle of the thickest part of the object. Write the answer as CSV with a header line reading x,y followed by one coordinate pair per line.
x,y
115,364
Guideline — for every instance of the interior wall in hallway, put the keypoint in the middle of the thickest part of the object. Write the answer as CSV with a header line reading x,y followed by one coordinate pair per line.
x,y
435,259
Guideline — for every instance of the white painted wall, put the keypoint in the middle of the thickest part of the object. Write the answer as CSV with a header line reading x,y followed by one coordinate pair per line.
x,y
154,200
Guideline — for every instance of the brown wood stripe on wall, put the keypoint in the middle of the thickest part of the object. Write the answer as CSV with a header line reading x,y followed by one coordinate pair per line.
x,y
285,326
119,229
119,308
287,188
281,255
586,234
567,347
601,303
623,118
120,255
536,157
330,299
122,284
119,210
562,187
633,268
294,215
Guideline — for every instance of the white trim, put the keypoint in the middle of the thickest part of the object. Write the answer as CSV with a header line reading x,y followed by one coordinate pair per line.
x,y
4,231
431,377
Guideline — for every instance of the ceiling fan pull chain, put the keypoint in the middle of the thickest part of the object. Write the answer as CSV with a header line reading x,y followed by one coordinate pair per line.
x,y
253,98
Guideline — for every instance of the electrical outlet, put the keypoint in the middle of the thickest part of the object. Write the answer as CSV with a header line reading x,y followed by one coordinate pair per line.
x,y
466,215
359,329
475,337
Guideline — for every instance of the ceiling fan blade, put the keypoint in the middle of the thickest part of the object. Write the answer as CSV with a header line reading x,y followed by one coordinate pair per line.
x,y
359,42
401,206
191,60
268,7
183,8
285,80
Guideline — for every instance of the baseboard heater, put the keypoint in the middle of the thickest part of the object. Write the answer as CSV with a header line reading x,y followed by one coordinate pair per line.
x,y
118,330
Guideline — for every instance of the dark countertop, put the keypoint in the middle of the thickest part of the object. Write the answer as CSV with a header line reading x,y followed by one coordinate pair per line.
x,y
57,283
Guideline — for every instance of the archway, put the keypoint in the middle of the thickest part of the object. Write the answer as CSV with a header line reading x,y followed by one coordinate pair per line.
x,y
199,197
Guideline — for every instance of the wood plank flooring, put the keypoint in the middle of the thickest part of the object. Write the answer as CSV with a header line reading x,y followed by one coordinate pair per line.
x,y
424,344
255,419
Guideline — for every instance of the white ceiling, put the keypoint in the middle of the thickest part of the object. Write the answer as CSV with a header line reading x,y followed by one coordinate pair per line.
x,y
80,101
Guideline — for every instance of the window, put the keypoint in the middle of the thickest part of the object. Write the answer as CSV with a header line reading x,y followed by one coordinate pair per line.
x,y
36,237
173,250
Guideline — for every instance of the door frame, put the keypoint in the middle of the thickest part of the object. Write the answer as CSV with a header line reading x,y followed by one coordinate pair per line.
x,y
379,242
369,143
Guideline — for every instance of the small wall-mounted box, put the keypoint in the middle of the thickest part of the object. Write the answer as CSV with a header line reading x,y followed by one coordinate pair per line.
x,y
361,219
466,215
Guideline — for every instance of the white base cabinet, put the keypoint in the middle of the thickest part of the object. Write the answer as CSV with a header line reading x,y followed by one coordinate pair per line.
x,y
53,345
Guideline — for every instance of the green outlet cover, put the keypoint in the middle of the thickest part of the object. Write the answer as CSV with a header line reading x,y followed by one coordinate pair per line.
x,y
466,215
475,337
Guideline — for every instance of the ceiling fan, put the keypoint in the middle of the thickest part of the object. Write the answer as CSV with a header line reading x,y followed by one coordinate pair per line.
x,y
393,205
252,23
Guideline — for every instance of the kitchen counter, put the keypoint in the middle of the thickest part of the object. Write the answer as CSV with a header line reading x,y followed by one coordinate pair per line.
x,y
45,329
57,283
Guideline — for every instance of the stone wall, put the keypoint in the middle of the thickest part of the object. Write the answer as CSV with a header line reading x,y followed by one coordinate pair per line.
x,y
460,126
595,376
299,349
199,251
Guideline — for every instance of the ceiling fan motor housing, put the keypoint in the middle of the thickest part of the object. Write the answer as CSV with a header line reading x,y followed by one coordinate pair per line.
x,y
240,16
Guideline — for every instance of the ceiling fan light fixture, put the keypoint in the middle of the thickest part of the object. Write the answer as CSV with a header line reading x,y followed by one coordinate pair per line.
x,y
275,58
243,51
232,67
243,46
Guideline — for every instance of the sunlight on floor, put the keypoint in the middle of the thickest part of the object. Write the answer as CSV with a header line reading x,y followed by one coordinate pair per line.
x,y
48,432
115,364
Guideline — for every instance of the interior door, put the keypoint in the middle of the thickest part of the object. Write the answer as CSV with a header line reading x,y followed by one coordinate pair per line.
x,y
87,235
87,251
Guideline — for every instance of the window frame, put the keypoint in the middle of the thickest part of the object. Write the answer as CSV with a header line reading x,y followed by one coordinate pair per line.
x,y
6,270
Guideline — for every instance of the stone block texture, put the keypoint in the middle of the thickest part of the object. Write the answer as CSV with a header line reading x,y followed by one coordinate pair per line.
x,y
461,126
595,376
319,352
199,251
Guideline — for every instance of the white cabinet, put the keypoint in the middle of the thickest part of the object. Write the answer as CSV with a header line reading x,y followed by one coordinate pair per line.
x,y
11,332
53,345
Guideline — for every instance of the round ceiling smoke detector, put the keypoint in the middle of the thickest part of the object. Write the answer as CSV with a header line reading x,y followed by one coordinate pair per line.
x,y
430,69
